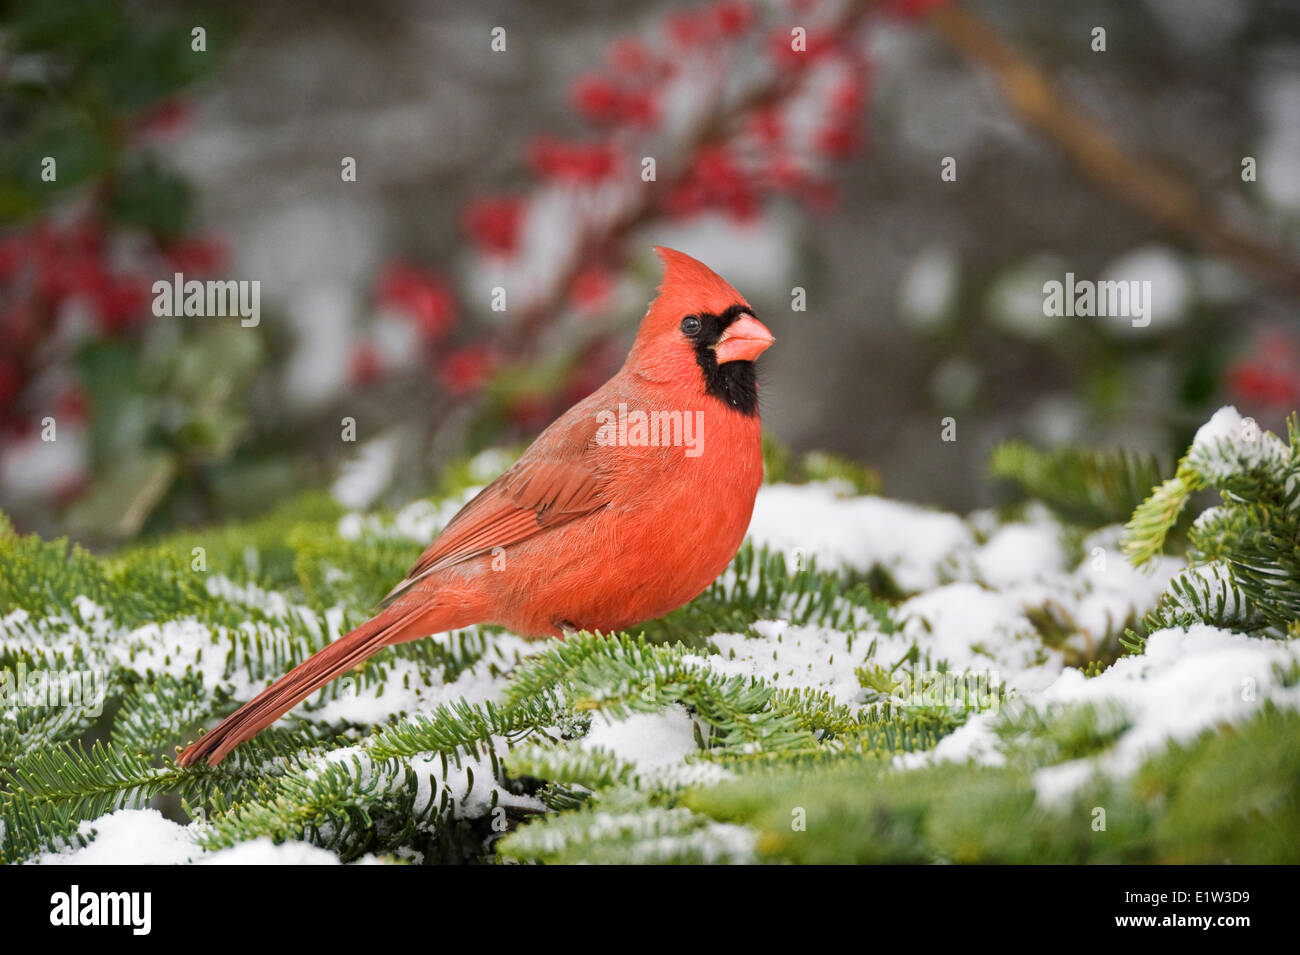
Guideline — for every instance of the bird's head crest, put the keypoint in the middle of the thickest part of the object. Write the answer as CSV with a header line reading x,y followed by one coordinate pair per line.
x,y
700,330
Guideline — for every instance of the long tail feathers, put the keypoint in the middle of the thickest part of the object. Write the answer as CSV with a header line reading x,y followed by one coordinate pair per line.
x,y
390,626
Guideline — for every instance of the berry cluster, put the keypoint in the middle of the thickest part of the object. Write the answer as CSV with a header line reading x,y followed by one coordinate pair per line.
x,y
1268,378
737,103
62,280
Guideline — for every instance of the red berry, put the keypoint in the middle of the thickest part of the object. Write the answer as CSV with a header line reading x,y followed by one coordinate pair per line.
x,y
167,118
591,288
493,223
631,55
18,326
464,371
365,364
71,404
815,46
687,28
785,174
767,126
848,95
838,141
11,382
597,99
732,17
120,302
580,163
199,256
14,251
421,295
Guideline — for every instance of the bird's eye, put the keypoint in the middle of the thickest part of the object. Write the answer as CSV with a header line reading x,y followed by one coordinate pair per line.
x,y
691,326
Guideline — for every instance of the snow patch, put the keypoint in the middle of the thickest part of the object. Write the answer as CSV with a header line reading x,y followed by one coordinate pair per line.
x,y
263,851
1186,682
648,741
1020,552
128,837
912,543
1247,446
795,657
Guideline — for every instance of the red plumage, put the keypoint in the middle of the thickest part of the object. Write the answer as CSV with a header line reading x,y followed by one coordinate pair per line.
x,y
592,528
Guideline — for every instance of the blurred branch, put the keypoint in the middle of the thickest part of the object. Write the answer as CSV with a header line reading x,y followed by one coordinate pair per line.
x,y
611,237
538,316
1098,156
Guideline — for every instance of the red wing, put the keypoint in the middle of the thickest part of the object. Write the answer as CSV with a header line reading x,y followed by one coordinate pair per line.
x,y
537,493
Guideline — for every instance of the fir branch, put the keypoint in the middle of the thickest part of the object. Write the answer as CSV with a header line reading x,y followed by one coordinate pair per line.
x,y
569,767
652,835
52,791
1087,487
453,727
764,584
335,805
1251,541
1206,594
1151,522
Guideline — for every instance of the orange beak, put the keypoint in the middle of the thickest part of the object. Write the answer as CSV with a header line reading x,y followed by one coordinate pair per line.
x,y
743,340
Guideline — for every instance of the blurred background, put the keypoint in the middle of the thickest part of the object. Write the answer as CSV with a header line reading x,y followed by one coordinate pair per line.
x,y
382,168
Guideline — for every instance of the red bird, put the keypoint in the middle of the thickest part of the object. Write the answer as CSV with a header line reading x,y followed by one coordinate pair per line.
x,y
625,508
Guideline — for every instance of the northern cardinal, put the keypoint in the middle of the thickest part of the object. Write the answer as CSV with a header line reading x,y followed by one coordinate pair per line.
x,y
626,507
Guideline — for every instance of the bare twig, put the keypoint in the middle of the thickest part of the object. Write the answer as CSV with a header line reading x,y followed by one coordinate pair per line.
x,y
1174,204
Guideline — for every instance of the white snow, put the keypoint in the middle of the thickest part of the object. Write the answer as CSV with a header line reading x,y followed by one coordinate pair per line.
x,y
268,601
489,464
648,741
1020,552
265,852
469,781
1107,588
911,542
1054,785
794,657
1224,425
982,632
1187,681
420,521
33,468
1247,445
404,689
1217,578
364,478
145,837
128,837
